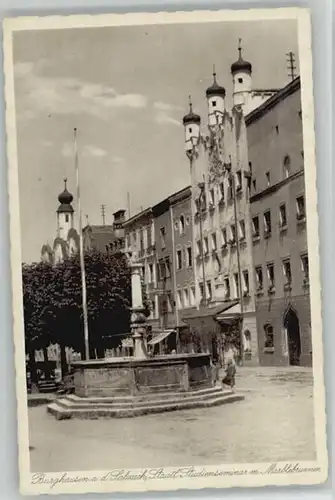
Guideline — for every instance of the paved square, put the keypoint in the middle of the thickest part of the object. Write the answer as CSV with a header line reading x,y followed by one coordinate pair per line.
x,y
274,422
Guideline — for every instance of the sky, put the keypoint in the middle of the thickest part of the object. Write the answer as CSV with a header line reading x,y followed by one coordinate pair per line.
x,y
126,90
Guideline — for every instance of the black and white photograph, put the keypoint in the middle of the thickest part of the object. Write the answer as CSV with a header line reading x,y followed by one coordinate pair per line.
x,y
165,251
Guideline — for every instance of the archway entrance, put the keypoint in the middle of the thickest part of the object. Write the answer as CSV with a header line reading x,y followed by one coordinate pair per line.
x,y
292,327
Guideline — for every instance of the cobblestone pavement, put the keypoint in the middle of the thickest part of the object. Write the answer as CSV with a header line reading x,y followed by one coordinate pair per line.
x,y
273,423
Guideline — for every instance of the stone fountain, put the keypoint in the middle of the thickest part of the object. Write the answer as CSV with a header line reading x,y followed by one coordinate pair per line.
x,y
141,384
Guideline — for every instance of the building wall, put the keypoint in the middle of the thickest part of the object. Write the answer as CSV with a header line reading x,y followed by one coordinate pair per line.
x,y
182,242
164,256
139,233
256,98
272,138
221,260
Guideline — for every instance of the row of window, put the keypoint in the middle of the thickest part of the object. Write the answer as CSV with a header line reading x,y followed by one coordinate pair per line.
x,y
287,273
300,216
186,297
145,238
286,172
181,224
232,289
227,236
220,193
142,239
184,258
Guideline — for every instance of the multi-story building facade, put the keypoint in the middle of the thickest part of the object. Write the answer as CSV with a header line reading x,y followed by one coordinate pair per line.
x,y
161,237
140,238
278,216
165,264
181,215
220,179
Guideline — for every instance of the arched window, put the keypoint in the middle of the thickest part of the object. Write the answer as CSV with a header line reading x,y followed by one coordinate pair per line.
x,y
181,224
269,336
287,166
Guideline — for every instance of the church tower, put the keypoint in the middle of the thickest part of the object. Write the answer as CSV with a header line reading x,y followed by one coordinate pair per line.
x,y
65,213
191,122
242,82
216,102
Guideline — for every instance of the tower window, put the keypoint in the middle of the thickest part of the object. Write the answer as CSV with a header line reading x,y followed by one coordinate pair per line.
x,y
214,104
66,218
190,130
240,80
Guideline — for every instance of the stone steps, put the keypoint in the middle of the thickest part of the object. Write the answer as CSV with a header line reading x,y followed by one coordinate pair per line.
x,y
66,408
47,386
81,403
145,397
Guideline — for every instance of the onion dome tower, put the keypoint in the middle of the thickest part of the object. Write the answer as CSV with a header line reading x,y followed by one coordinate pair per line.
x,y
65,213
191,123
242,82
216,102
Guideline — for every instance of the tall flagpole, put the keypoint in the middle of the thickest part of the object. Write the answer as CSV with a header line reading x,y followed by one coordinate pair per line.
x,y
81,250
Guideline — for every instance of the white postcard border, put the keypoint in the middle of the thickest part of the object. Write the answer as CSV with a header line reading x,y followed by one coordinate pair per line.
x,y
172,478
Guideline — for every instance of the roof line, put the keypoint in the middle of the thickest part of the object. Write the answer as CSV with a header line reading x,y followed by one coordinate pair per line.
x,y
149,210
257,113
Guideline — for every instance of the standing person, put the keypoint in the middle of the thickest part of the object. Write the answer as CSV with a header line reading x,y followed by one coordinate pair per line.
x,y
230,367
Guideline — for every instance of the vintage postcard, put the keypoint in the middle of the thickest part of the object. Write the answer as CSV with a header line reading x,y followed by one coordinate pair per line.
x,y
165,251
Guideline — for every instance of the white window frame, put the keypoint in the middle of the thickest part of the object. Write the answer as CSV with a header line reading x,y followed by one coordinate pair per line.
x,y
241,227
285,273
281,221
268,266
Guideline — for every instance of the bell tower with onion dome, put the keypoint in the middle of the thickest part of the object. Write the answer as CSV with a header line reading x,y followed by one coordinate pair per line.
x,y
216,102
65,213
242,82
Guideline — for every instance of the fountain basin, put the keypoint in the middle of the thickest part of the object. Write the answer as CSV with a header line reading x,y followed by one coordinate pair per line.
x,y
129,387
131,376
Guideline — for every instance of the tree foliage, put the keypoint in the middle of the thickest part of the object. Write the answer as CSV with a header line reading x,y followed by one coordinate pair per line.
x,y
53,309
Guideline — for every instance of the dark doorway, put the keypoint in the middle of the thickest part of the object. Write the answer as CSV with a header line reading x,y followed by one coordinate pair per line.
x,y
291,324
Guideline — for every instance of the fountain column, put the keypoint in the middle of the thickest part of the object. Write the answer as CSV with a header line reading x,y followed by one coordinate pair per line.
x,y
138,318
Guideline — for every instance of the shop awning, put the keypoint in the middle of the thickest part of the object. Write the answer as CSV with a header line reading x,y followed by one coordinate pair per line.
x,y
227,319
161,336
216,312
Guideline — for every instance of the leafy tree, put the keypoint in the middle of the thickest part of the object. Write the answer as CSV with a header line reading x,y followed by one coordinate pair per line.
x,y
37,284
53,303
